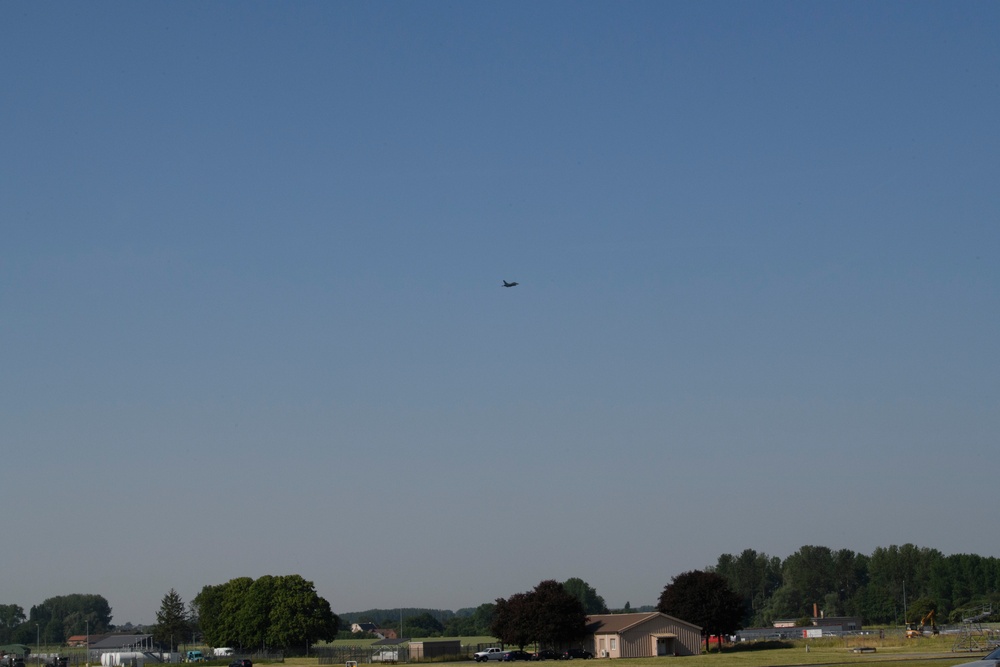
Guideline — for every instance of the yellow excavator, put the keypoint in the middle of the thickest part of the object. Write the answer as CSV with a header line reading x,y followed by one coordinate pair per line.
x,y
914,630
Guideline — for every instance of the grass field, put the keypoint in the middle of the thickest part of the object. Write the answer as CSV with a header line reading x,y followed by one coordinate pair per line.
x,y
925,652
892,651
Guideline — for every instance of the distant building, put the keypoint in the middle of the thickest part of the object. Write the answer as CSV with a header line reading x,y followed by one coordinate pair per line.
x,y
831,624
363,627
427,649
107,643
786,628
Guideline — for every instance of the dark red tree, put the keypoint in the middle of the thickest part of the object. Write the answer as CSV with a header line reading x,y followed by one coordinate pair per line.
x,y
705,599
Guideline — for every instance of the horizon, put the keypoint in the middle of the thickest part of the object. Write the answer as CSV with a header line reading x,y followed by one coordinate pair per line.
x,y
456,609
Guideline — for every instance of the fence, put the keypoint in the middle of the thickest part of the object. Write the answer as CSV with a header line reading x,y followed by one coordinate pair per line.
x,y
387,654
340,655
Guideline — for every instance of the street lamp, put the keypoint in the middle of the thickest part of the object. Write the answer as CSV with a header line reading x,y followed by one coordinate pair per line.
x,y
87,648
38,643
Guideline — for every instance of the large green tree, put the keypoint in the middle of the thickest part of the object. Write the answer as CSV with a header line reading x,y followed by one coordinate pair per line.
x,y
754,577
207,612
705,599
298,615
585,593
11,616
62,616
810,572
280,612
172,621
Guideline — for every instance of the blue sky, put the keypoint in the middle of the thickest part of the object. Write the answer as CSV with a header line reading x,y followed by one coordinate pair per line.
x,y
252,317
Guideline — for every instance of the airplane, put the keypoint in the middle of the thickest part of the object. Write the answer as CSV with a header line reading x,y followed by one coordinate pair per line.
x,y
507,284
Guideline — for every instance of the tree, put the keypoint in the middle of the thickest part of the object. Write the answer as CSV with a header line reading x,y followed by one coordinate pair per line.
x,y
253,616
512,620
298,615
548,614
11,616
810,571
283,612
755,577
559,615
207,612
591,601
423,625
172,621
471,624
66,615
705,599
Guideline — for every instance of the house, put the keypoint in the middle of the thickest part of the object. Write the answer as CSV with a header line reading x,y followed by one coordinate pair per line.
x,y
642,635
77,640
363,627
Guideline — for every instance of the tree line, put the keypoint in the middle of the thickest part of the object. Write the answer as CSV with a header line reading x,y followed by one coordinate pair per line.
x,y
893,585
467,622
55,620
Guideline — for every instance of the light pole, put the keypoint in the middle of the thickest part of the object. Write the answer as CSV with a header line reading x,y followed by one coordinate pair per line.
x,y
87,647
38,643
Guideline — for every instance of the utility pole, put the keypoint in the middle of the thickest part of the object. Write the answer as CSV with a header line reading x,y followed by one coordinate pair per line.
x,y
904,603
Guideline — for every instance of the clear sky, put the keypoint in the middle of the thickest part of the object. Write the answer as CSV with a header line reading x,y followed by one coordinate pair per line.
x,y
252,321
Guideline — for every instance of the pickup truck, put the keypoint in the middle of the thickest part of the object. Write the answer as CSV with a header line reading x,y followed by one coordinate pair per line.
x,y
493,653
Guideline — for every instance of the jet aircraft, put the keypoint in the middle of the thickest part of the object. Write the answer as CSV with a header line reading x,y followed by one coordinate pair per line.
x,y
507,284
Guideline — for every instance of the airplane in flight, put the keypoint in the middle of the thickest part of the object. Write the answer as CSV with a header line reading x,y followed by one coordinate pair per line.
x,y
507,284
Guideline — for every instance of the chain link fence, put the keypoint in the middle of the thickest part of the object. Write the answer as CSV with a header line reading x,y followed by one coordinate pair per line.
x,y
391,654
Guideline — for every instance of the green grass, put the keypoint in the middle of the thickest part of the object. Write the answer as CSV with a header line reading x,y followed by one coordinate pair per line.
x,y
893,650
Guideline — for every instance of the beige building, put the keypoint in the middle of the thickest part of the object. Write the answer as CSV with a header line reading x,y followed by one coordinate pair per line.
x,y
642,635
435,648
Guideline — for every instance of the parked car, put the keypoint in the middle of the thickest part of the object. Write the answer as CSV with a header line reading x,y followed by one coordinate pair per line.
x,y
548,654
571,653
991,659
492,653
244,662
511,656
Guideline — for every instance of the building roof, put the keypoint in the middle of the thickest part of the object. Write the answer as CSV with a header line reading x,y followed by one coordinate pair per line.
x,y
120,641
606,624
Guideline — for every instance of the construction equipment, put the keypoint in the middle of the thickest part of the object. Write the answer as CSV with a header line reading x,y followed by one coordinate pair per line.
x,y
914,630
